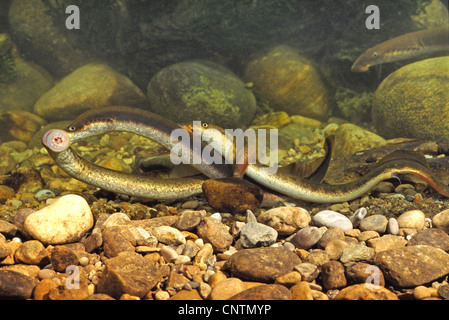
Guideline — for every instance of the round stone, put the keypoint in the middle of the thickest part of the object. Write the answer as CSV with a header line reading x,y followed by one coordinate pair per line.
x,y
375,222
329,218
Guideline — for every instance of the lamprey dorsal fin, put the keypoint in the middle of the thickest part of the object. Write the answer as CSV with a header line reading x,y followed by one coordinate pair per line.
x,y
400,155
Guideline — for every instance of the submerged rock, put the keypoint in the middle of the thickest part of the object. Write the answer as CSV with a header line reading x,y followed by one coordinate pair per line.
x,y
90,86
412,101
201,91
289,82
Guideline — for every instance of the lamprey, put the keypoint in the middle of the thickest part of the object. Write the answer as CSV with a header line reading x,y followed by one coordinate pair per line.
x,y
57,144
403,47
144,123
398,162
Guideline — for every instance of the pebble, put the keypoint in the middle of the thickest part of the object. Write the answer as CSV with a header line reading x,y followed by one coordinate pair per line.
x,y
44,194
386,242
393,226
62,257
14,285
254,234
333,275
46,274
189,220
262,264
358,216
329,218
301,291
7,229
356,253
169,235
65,220
285,220
227,288
362,272
216,233
413,219
116,240
306,238
289,279
441,220
129,273
331,234
169,253
376,222
308,271
264,292
434,237
32,252
365,292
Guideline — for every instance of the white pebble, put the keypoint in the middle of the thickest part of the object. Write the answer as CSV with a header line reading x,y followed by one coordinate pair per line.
x,y
329,218
169,253
162,295
84,261
393,226
217,216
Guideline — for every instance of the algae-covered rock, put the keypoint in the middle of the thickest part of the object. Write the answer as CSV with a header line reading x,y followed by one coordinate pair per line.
x,y
289,82
22,90
350,138
413,102
93,85
204,91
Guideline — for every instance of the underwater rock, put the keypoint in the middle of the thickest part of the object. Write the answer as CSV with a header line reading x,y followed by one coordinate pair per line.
x,y
27,84
90,86
412,101
200,90
289,82
20,125
34,32
350,138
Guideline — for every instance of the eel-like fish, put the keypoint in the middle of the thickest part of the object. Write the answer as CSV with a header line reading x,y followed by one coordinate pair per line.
x,y
403,47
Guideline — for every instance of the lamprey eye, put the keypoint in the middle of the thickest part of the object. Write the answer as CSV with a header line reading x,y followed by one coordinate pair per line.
x,y
205,125
375,54
71,128
56,140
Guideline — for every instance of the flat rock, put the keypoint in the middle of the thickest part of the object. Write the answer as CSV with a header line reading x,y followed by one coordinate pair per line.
x,y
227,288
262,264
412,266
168,235
65,220
365,292
432,237
386,242
356,253
130,273
264,292
116,240
285,220
306,238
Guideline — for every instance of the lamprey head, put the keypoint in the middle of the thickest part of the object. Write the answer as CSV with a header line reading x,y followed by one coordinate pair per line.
x,y
56,140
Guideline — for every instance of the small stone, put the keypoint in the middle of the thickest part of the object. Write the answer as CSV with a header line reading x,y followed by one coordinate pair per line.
x,y
43,288
5,250
6,192
14,285
44,194
433,237
358,216
232,195
62,257
386,242
168,235
191,204
254,234
187,295
204,290
413,265
216,278
365,292
356,253
443,291
116,219
308,271
289,279
75,288
334,249
264,292
32,252
227,288
393,226
285,220
169,253
331,234
116,240
333,275
367,235
441,220
376,222
203,256
301,291
329,218
317,257
189,220
421,293
306,238
162,295
130,273
363,272
7,229
93,242
413,219
216,233
262,264
65,220
46,274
